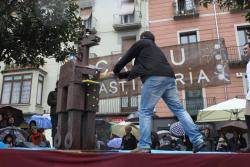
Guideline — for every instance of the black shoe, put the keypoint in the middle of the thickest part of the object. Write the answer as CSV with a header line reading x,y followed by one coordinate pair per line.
x,y
199,148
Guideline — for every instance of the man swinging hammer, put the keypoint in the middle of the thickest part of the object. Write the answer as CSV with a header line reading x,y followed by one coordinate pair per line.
x,y
158,80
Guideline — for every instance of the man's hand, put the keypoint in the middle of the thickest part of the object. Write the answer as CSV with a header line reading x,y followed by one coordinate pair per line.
x,y
107,75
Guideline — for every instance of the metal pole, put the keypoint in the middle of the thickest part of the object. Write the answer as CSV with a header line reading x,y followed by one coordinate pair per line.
x,y
218,38
216,19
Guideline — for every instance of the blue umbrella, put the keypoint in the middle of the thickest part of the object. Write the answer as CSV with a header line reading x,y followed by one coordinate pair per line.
x,y
177,129
115,143
42,121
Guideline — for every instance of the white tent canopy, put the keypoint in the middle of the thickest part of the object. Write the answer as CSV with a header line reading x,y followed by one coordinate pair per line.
x,y
232,109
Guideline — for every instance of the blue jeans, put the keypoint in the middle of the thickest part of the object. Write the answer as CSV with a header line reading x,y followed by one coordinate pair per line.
x,y
154,88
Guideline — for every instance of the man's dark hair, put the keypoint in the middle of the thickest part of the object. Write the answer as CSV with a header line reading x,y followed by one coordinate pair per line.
x,y
147,35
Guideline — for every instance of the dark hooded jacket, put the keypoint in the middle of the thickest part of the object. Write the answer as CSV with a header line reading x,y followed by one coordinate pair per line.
x,y
149,60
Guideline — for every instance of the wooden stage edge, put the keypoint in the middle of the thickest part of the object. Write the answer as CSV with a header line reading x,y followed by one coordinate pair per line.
x,y
79,158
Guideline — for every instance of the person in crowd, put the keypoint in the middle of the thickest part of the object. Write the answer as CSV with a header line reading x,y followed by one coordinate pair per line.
x,y
166,142
11,121
9,140
52,101
187,143
155,140
103,135
247,111
208,139
129,141
242,142
222,145
36,137
100,145
158,80
237,142
29,130
32,123
3,122
178,143
45,142
233,142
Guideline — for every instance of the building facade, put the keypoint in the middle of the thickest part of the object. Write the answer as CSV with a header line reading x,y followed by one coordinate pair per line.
x,y
185,22
27,88
185,31
118,23
203,34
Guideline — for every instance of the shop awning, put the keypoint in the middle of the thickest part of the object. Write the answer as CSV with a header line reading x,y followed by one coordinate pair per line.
x,y
233,109
127,8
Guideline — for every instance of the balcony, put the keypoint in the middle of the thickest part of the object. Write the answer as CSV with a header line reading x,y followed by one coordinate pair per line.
x,y
13,67
184,9
236,57
127,22
90,24
194,105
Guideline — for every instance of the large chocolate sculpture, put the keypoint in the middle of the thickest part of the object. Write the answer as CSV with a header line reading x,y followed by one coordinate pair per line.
x,y
77,101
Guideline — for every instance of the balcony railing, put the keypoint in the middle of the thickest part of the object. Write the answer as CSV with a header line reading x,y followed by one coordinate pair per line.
x,y
12,66
127,22
194,105
236,57
184,9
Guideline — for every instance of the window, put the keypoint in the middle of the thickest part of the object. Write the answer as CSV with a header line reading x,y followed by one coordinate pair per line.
x,y
129,103
88,23
127,12
134,101
16,89
124,102
129,18
127,42
86,15
185,6
188,37
242,32
194,101
39,94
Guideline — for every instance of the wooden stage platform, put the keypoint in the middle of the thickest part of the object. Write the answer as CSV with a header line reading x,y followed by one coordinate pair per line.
x,y
57,158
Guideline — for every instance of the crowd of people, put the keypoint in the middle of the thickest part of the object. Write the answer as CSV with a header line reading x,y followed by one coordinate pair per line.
x,y
34,137
13,136
170,142
6,120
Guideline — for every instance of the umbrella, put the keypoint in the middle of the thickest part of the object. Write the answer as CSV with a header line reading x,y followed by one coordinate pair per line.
x,y
133,117
42,121
232,109
13,112
115,143
231,126
119,129
177,129
161,133
18,134
24,125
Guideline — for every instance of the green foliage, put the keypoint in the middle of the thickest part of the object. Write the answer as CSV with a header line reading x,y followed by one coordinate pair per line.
x,y
231,4
33,30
